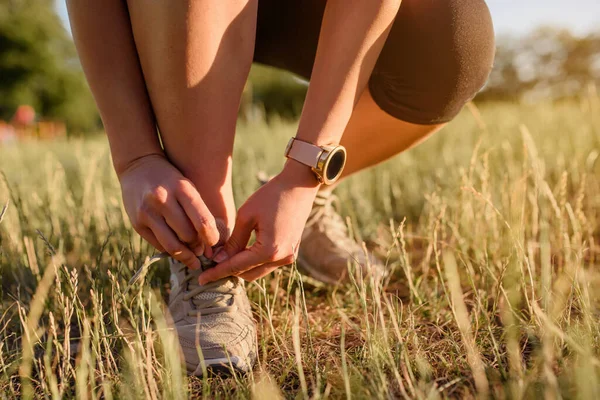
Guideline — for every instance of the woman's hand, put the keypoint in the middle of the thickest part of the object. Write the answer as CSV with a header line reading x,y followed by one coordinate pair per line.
x,y
277,211
166,209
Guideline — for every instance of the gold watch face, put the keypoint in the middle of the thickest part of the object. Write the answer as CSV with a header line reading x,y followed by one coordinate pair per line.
x,y
331,164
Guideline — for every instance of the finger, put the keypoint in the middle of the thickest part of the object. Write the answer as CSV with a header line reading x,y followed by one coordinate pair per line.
x,y
179,223
266,268
224,233
259,272
147,234
199,249
236,265
200,216
172,245
238,240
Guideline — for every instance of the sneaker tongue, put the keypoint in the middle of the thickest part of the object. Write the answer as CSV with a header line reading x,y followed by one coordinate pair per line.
x,y
208,299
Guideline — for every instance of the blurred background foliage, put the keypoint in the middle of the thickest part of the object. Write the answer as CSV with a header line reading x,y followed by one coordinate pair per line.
x,y
547,64
39,67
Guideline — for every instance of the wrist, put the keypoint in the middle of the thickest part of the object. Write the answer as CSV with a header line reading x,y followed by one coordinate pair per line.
x,y
299,175
133,147
124,166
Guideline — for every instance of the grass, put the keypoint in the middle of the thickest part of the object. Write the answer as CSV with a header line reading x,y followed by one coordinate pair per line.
x,y
490,231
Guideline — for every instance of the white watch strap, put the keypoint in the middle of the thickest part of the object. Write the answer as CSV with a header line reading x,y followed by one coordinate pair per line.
x,y
306,153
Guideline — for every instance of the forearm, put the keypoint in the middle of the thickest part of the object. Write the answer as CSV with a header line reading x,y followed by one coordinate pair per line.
x,y
352,35
102,34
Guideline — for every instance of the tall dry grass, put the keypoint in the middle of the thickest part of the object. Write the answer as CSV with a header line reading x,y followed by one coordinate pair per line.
x,y
489,230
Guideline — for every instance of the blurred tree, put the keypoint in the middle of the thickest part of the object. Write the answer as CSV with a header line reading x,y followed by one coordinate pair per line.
x,y
548,64
39,66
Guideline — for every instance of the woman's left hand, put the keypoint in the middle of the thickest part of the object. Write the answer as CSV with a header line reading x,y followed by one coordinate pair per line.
x,y
277,211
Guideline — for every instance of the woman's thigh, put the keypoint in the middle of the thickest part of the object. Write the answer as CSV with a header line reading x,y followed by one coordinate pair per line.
x,y
438,55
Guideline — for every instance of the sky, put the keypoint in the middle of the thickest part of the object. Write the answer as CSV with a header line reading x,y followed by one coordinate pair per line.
x,y
519,16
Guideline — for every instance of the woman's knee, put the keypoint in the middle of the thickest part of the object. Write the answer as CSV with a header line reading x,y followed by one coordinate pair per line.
x,y
435,60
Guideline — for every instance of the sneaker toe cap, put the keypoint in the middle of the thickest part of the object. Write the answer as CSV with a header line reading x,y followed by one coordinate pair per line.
x,y
225,343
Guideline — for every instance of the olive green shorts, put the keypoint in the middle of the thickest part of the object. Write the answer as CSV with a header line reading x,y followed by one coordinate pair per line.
x,y
437,56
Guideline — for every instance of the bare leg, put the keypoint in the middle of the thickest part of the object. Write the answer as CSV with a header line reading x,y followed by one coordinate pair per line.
x,y
196,56
373,136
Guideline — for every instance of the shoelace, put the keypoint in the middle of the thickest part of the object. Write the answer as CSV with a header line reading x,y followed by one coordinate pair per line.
x,y
212,298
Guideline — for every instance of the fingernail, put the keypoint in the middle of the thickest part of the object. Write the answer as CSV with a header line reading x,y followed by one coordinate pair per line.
x,y
202,281
220,256
198,251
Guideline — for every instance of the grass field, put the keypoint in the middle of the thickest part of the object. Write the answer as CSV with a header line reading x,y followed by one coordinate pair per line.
x,y
490,230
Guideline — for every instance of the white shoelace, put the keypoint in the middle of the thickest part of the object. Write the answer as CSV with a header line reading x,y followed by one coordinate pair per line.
x,y
212,298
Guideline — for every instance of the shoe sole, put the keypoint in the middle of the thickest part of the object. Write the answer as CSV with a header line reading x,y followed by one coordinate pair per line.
x,y
224,366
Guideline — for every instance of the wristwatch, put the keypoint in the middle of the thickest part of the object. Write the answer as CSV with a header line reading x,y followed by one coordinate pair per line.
x,y
327,162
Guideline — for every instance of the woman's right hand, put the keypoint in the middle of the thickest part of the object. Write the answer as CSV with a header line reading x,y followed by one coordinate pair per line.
x,y
166,209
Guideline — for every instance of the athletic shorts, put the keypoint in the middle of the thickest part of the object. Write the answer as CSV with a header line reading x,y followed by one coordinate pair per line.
x,y
437,56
